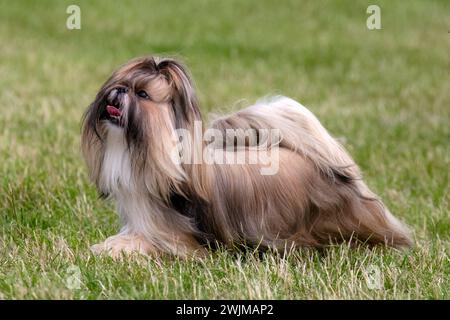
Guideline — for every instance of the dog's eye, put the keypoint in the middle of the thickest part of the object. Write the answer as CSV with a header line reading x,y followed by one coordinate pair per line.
x,y
143,94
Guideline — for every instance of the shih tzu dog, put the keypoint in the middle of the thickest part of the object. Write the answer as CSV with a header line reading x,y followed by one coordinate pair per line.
x,y
177,192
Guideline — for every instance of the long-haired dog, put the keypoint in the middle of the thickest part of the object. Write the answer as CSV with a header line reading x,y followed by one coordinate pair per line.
x,y
129,139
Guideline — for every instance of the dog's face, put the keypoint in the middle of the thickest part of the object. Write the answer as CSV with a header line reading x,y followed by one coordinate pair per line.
x,y
133,95
145,100
142,96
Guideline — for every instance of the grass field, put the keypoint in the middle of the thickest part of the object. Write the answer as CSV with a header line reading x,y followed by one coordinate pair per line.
x,y
385,92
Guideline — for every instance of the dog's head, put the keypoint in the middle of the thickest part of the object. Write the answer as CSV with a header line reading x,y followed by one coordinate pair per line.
x,y
143,101
140,97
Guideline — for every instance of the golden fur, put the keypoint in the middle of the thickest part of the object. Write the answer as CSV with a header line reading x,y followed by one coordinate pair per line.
x,y
316,197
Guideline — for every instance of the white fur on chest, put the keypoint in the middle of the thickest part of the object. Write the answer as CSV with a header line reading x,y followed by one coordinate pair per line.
x,y
116,167
117,178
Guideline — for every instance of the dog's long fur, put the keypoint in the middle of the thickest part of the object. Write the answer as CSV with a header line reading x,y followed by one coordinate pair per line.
x,y
317,197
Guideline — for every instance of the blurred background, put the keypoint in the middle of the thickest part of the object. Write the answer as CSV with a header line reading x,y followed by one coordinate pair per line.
x,y
385,93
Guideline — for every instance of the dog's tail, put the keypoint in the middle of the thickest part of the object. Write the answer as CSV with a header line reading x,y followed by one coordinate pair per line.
x,y
341,204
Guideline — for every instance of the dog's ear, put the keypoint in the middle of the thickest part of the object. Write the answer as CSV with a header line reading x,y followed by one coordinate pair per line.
x,y
184,99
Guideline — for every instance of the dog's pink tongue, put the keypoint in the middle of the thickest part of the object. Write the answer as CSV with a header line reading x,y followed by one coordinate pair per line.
x,y
113,111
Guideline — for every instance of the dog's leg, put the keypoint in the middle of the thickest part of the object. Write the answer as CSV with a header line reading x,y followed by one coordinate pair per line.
x,y
124,243
127,243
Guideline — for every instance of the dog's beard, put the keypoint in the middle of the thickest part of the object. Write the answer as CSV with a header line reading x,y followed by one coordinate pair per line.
x,y
118,110
145,136
114,120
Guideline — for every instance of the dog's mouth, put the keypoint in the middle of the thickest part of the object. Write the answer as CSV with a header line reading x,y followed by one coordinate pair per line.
x,y
113,114
113,106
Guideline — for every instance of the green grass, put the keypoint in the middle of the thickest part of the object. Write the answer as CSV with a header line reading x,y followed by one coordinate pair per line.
x,y
385,92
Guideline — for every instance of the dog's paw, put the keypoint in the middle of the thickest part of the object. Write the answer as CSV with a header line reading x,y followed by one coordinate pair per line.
x,y
118,245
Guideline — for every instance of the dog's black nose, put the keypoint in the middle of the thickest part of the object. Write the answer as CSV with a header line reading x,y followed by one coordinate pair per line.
x,y
122,90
